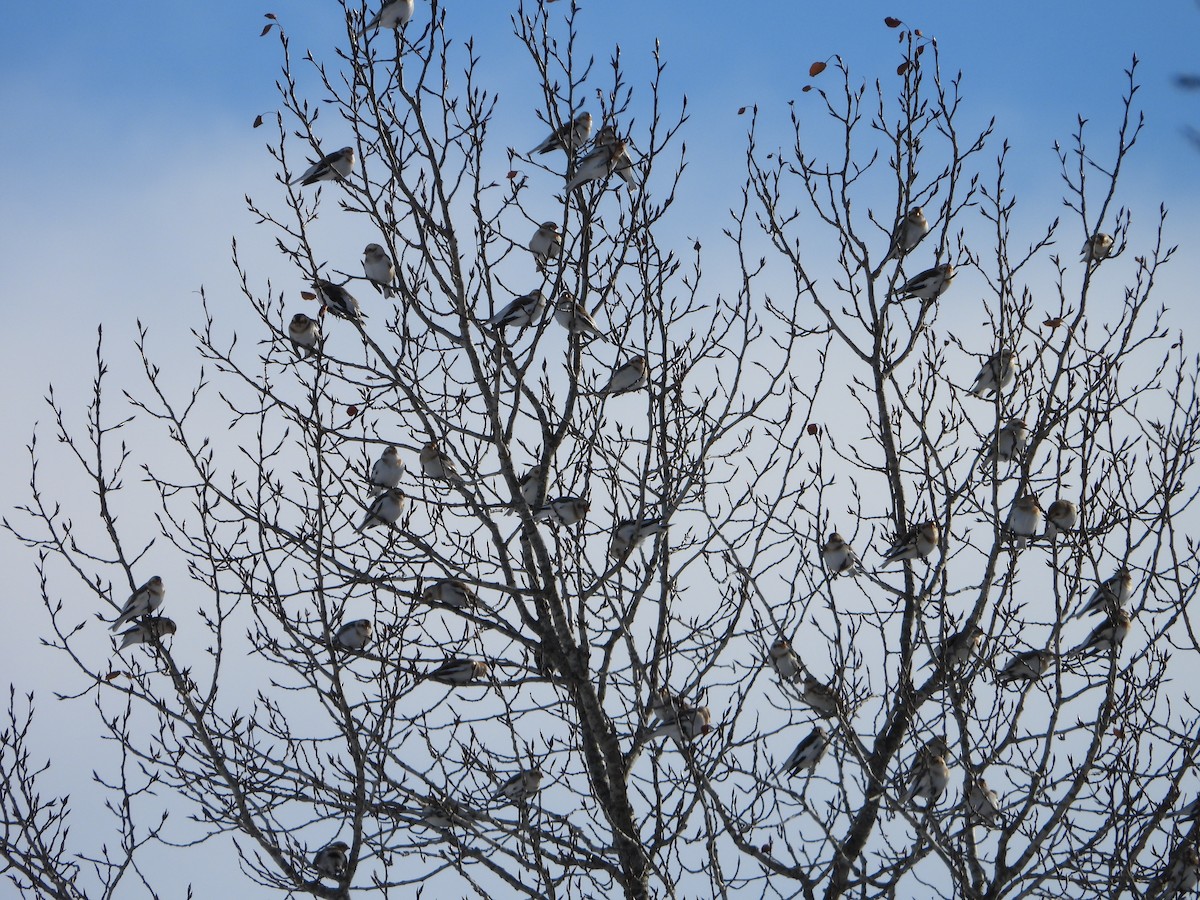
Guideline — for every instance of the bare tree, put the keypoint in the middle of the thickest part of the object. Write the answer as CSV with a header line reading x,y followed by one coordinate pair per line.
x,y
532,565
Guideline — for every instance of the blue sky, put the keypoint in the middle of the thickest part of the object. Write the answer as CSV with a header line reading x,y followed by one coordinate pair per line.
x,y
127,132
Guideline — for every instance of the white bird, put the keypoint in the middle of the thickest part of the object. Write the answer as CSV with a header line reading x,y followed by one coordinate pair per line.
x,y
929,775
336,165
839,557
437,464
331,861
629,533
908,233
446,813
1062,515
997,373
385,510
569,136
820,697
1183,874
304,333
1011,440
917,543
450,592
688,724
983,804
575,318
353,635
379,269
533,487
564,510
1025,520
1097,248
338,301
622,165
1029,665
393,14
141,602
386,472
521,786
601,162
146,632
958,647
546,243
1111,594
784,660
631,376
457,672
523,311
808,753
928,285
1109,634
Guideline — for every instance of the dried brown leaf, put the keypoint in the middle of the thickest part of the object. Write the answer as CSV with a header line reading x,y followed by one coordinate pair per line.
x,y
816,69
892,22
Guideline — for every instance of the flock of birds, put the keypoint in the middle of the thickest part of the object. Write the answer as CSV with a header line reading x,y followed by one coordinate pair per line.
x,y
929,775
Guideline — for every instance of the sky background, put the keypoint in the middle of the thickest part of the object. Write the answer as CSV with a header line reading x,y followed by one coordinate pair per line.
x,y
127,131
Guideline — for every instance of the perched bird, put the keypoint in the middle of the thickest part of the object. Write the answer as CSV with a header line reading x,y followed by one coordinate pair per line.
x,y
305,334
147,631
997,373
393,14
338,301
928,285
141,602
1025,520
1097,248
333,166
958,647
386,472
379,269
839,557
601,162
689,723
546,243
629,533
521,786
446,813
523,311
575,318
631,376
784,661
1108,635
385,510
564,510
331,861
1011,440
1183,874
820,697
929,775
569,136
533,487
437,464
917,543
456,672
353,635
808,753
450,592
983,804
1029,665
908,233
1062,515
622,165
1111,594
